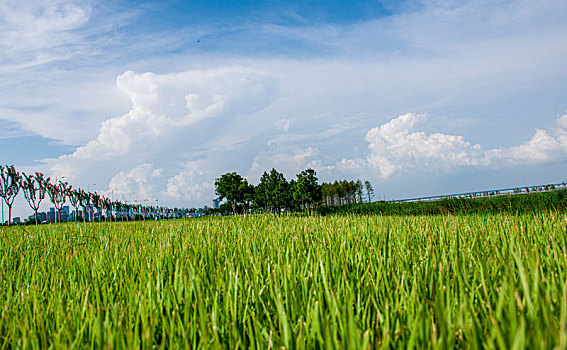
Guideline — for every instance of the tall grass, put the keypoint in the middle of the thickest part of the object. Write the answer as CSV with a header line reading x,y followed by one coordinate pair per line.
x,y
519,203
266,282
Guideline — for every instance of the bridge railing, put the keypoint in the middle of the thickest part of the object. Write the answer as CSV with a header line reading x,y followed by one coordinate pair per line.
x,y
488,193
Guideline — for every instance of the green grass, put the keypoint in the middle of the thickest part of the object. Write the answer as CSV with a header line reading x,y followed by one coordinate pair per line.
x,y
533,202
496,281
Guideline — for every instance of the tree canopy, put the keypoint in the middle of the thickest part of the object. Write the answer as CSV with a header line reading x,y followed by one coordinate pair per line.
x,y
275,194
233,187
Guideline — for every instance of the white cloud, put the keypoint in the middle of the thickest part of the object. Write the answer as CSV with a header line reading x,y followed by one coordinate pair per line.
x,y
397,147
164,105
284,124
37,31
136,184
172,126
288,163
194,182
496,65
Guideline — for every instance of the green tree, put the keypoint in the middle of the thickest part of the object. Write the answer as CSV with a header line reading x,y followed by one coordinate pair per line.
x,y
230,186
9,188
273,193
278,191
107,204
247,192
74,197
97,203
34,188
369,190
58,195
307,189
261,196
359,190
84,201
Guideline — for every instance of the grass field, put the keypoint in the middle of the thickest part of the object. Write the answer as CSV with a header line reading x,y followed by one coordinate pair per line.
x,y
268,282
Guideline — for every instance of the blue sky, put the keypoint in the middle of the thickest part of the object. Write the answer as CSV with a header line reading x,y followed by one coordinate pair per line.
x,y
153,100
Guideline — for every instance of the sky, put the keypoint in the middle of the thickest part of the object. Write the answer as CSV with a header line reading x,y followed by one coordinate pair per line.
x,y
150,101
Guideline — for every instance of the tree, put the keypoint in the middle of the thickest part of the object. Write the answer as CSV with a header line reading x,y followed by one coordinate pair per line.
x,y
107,204
369,190
307,190
261,197
84,201
230,186
75,199
34,188
278,191
9,188
119,208
127,208
326,193
58,195
97,203
359,190
247,192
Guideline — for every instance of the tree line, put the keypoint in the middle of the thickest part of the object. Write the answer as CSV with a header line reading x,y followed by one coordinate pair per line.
x,y
274,193
35,187
347,192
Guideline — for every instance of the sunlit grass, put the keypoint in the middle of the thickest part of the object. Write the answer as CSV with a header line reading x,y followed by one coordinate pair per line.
x,y
264,281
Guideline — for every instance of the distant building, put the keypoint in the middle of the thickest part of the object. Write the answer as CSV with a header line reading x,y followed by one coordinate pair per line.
x,y
41,217
215,203
16,220
89,213
54,216
64,216
51,215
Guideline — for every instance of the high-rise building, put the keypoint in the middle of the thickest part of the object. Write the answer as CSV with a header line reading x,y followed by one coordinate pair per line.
x,y
51,215
216,203
41,217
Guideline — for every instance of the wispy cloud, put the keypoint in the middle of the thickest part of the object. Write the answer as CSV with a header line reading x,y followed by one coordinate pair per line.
x,y
38,32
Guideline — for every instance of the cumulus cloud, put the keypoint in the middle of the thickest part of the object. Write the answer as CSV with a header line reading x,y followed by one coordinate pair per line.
x,y
139,182
194,182
177,135
396,147
164,105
